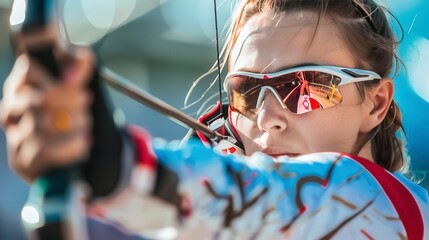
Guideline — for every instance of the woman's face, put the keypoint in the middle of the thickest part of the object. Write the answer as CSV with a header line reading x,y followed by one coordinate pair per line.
x,y
269,43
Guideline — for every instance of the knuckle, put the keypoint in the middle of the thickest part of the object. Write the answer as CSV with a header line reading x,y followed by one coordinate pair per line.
x,y
24,161
13,160
4,118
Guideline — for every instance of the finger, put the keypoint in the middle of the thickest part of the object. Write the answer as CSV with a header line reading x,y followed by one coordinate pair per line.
x,y
13,109
65,110
28,145
36,154
42,112
25,128
17,75
27,116
26,71
22,158
64,96
71,150
79,71
61,123
19,135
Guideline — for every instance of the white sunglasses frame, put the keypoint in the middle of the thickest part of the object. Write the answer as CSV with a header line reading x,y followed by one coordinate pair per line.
x,y
347,75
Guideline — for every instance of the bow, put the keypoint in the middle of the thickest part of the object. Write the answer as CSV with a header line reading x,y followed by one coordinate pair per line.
x,y
51,211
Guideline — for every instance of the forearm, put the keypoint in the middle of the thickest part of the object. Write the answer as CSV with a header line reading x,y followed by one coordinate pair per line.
x,y
198,191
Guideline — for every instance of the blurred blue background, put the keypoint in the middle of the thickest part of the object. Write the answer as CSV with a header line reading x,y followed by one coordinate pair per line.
x,y
164,45
412,84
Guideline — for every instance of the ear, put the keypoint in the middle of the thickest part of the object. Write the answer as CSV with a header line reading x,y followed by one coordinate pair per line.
x,y
376,105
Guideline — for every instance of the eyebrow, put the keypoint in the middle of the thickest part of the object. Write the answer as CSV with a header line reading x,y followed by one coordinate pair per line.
x,y
282,68
298,65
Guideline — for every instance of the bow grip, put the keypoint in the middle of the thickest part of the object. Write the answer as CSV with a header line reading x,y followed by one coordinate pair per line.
x,y
46,214
53,195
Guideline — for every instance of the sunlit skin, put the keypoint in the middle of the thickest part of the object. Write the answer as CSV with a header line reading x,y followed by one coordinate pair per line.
x,y
270,43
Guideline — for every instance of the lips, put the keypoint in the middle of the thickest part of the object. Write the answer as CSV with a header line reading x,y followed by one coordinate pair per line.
x,y
293,155
276,154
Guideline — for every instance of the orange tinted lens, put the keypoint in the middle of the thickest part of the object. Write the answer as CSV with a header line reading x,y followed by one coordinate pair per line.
x,y
301,91
243,93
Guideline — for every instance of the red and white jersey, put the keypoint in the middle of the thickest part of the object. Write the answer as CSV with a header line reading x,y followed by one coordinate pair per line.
x,y
192,192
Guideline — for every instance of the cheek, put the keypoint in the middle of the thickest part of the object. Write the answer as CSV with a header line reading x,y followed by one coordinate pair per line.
x,y
350,94
244,126
247,130
337,128
334,130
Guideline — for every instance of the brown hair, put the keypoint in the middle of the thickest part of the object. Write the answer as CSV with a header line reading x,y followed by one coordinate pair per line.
x,y
366,30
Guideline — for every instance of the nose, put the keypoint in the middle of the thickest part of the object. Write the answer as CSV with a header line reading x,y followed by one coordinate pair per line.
x,y
272,116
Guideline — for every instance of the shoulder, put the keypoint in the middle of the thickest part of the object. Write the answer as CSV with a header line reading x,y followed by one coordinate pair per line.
x,y
417,190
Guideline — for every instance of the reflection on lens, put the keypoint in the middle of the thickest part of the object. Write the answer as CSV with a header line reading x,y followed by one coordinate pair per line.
x,y
326,96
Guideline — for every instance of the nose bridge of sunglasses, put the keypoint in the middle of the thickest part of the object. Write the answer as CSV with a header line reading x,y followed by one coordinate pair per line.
x,y
263,94
297,100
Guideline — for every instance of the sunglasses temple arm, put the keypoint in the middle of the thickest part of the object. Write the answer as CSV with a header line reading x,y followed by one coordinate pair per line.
x,y
126,87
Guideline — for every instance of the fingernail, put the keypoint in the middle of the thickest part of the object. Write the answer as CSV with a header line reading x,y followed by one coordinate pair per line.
x,y
69,74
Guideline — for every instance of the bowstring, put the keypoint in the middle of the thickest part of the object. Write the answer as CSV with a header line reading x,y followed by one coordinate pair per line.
x,y
218,57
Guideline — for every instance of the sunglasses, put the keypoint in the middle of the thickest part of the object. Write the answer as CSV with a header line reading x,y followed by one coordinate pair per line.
x,y
300,89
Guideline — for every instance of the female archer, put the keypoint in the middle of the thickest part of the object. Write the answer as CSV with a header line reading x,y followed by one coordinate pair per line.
x,y
332,170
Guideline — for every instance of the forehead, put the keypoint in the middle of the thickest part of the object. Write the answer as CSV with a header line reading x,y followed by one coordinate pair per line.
x,y
270,42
